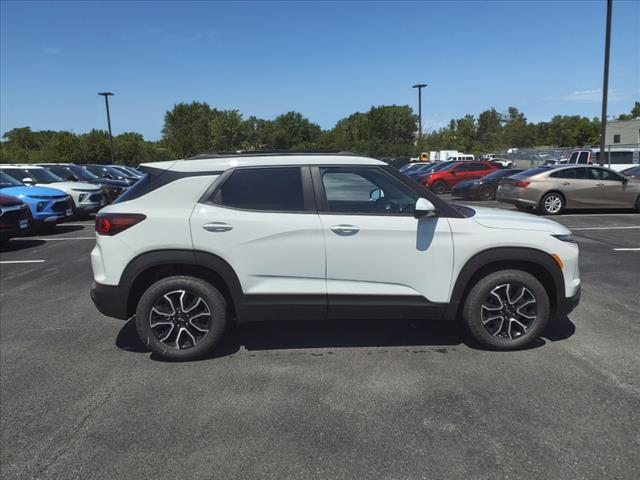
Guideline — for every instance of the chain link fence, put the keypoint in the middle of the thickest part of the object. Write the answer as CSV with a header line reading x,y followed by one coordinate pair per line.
x,y
534,157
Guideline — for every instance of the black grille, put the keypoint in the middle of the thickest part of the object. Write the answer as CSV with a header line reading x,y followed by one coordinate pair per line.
x,y
61,206
13,217
96,197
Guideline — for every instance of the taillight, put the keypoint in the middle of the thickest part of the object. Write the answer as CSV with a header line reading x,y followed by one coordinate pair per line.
x,y
113,223
522,184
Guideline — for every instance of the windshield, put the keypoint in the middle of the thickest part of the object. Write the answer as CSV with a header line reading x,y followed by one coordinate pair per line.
x,y
41,175
82,173
8,181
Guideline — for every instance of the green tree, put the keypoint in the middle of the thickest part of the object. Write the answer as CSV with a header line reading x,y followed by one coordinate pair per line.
x,y
292,130
490,130
96,147
187,128
515,130
66,147
131,149
228,131
635,113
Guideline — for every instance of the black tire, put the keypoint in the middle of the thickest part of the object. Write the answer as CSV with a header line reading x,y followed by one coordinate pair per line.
x,y
552,203
638,204
217,319
439,186
509,335
486,193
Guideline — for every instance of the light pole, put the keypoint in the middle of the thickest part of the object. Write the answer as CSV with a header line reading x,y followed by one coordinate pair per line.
x,y
106,96
605,83
419,86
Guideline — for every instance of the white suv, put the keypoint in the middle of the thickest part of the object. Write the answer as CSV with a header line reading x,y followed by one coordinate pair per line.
x,y
200,243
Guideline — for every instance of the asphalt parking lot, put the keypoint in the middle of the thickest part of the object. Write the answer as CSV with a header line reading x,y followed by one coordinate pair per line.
x,y
358,400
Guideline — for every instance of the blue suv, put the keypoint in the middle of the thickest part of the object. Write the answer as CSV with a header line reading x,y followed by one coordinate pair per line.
x,y
47,206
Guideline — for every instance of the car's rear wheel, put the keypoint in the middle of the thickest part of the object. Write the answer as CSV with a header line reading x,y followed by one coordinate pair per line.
x,y
439,186
552,203
181,317
486,193
506,310
638,204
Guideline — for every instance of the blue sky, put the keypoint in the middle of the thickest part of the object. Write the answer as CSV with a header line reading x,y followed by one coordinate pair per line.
x,y
326,60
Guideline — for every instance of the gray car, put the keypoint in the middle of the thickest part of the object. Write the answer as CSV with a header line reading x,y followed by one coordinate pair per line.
x,y
553,189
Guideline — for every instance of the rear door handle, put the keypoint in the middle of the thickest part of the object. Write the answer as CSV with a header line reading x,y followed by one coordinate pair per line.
x,y
345,230
566,183
217,227
599,184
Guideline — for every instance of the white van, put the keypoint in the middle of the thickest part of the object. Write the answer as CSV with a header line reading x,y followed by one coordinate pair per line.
x,y
616,159
461,157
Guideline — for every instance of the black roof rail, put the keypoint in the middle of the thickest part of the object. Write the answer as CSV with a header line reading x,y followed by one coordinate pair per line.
x,y
267,153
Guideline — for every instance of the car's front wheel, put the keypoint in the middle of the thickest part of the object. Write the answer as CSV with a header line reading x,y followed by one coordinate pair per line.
x,y
506,310
181,317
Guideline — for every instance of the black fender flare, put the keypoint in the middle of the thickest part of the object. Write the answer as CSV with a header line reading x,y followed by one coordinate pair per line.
x,y
195,258
511,257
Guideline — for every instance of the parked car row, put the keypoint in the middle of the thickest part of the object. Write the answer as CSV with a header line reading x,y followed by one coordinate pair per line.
x,y
549,189
36,196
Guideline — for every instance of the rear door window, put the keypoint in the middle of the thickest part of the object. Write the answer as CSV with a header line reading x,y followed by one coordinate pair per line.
x,y
267,189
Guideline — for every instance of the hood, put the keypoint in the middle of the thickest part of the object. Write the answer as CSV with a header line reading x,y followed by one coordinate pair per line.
x,y
508,219
70,186
110,183
22,192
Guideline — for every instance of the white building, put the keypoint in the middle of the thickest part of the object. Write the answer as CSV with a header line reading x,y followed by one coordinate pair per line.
x,y
623,132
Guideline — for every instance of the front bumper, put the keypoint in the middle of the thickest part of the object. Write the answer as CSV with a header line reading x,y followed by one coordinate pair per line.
x,y
110,300
567,304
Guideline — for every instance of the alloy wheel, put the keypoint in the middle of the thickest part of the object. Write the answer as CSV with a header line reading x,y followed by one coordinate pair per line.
x,y
553,203
509,311
486,193
180,319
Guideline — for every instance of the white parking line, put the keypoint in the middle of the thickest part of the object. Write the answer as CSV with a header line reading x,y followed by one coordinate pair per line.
x,y
21,261
627,249
605,228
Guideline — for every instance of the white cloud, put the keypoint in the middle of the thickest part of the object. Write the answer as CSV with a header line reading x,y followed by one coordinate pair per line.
x,y
589,96
52,50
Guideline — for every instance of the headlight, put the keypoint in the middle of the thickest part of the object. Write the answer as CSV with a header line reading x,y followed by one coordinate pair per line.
x,y
566,238
40,206
83,196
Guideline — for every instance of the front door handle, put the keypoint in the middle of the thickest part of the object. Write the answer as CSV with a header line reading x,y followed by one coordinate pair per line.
x,y
599,184
345,230
217,227
566,183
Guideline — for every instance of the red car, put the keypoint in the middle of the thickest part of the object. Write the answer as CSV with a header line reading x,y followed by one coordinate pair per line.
x,y
443,180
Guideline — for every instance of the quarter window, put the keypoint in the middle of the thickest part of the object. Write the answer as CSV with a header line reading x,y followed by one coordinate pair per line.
x,y
275,189
362,190
584,158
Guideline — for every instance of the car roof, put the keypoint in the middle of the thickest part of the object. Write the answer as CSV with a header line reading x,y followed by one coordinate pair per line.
x,y
219,163
20,165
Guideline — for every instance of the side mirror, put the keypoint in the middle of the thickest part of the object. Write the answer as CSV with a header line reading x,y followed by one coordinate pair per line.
x,y
375,194
28,180
625,180
453,172
424,207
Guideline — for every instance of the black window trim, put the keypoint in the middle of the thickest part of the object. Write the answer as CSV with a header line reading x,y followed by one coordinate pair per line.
x,y
305,177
